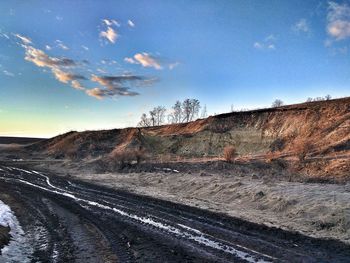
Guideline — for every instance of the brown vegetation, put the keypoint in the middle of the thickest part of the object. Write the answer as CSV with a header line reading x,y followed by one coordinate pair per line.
x,y
230,153
127,157
308,132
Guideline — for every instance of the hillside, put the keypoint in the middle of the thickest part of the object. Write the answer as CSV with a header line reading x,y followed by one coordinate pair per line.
x,y
313,136
18,140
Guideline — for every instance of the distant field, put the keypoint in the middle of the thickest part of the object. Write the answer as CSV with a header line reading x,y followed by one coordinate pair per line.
x,y
18,140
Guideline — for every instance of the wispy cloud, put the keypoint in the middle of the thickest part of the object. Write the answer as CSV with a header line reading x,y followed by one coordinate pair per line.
x,y
109,32
8,73
145,59
267,44
77,85
64,70
66,77
41,59
130,60
301,26
116,85
131,23
110,22
338,21
85,47
61,45
4,35
173,65
24,39
59,66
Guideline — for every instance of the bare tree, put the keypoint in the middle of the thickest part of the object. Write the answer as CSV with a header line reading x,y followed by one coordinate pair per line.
x,y
176,115
309,99
328,97
152,114
277,103
195,106
157,115
204,113
318,99
190,109
181,112
145,121
186,109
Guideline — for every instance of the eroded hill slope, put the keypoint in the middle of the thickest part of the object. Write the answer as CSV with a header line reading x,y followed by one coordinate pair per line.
x,y
320,130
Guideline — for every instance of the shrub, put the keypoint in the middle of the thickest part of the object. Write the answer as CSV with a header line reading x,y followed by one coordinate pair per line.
x,y
277,145
230,153
303,148
127,157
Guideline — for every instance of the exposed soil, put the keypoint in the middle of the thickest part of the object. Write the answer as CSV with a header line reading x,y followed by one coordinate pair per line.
x,y
85,222
4,236
313,137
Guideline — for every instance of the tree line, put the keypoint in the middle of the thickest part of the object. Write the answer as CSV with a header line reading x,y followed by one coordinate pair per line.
x,y
279,103
188,110
180,112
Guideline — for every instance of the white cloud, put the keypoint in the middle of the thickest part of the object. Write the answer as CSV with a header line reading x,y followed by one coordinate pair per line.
x,y
61,45
64,70
301,26
258,45
145,59
47,47
77,85
173,65
338,20
4,35
96,93
85,47
131,23
270,38
66,77
41,59
110,34
130,60
60,67
24,39
267,44
8,73
110,22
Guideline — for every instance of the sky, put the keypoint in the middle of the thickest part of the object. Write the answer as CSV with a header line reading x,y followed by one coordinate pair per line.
x,y
90,65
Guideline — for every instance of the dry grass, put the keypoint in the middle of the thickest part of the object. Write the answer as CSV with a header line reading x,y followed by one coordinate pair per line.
x,y
230,153
127,157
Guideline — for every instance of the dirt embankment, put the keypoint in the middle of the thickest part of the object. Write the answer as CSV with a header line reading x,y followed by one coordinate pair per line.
x,y
314,137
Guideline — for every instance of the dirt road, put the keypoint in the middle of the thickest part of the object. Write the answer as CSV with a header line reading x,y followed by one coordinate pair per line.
x,y
71,221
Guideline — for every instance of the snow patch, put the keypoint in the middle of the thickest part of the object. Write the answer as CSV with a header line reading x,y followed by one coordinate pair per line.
x,y
18,250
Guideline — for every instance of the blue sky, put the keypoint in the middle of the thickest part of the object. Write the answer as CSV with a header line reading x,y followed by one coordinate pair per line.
x,y
76,65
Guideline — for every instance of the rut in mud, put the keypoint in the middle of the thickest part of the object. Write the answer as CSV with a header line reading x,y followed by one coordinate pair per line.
x,y
72,221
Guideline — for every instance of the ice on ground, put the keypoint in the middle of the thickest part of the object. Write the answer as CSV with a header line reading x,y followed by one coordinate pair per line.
x,y
18,250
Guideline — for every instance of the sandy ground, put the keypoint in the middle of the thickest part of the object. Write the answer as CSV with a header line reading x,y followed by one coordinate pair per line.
x,y
318,210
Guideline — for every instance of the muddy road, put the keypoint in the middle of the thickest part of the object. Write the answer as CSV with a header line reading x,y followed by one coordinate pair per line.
x,y
66,220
